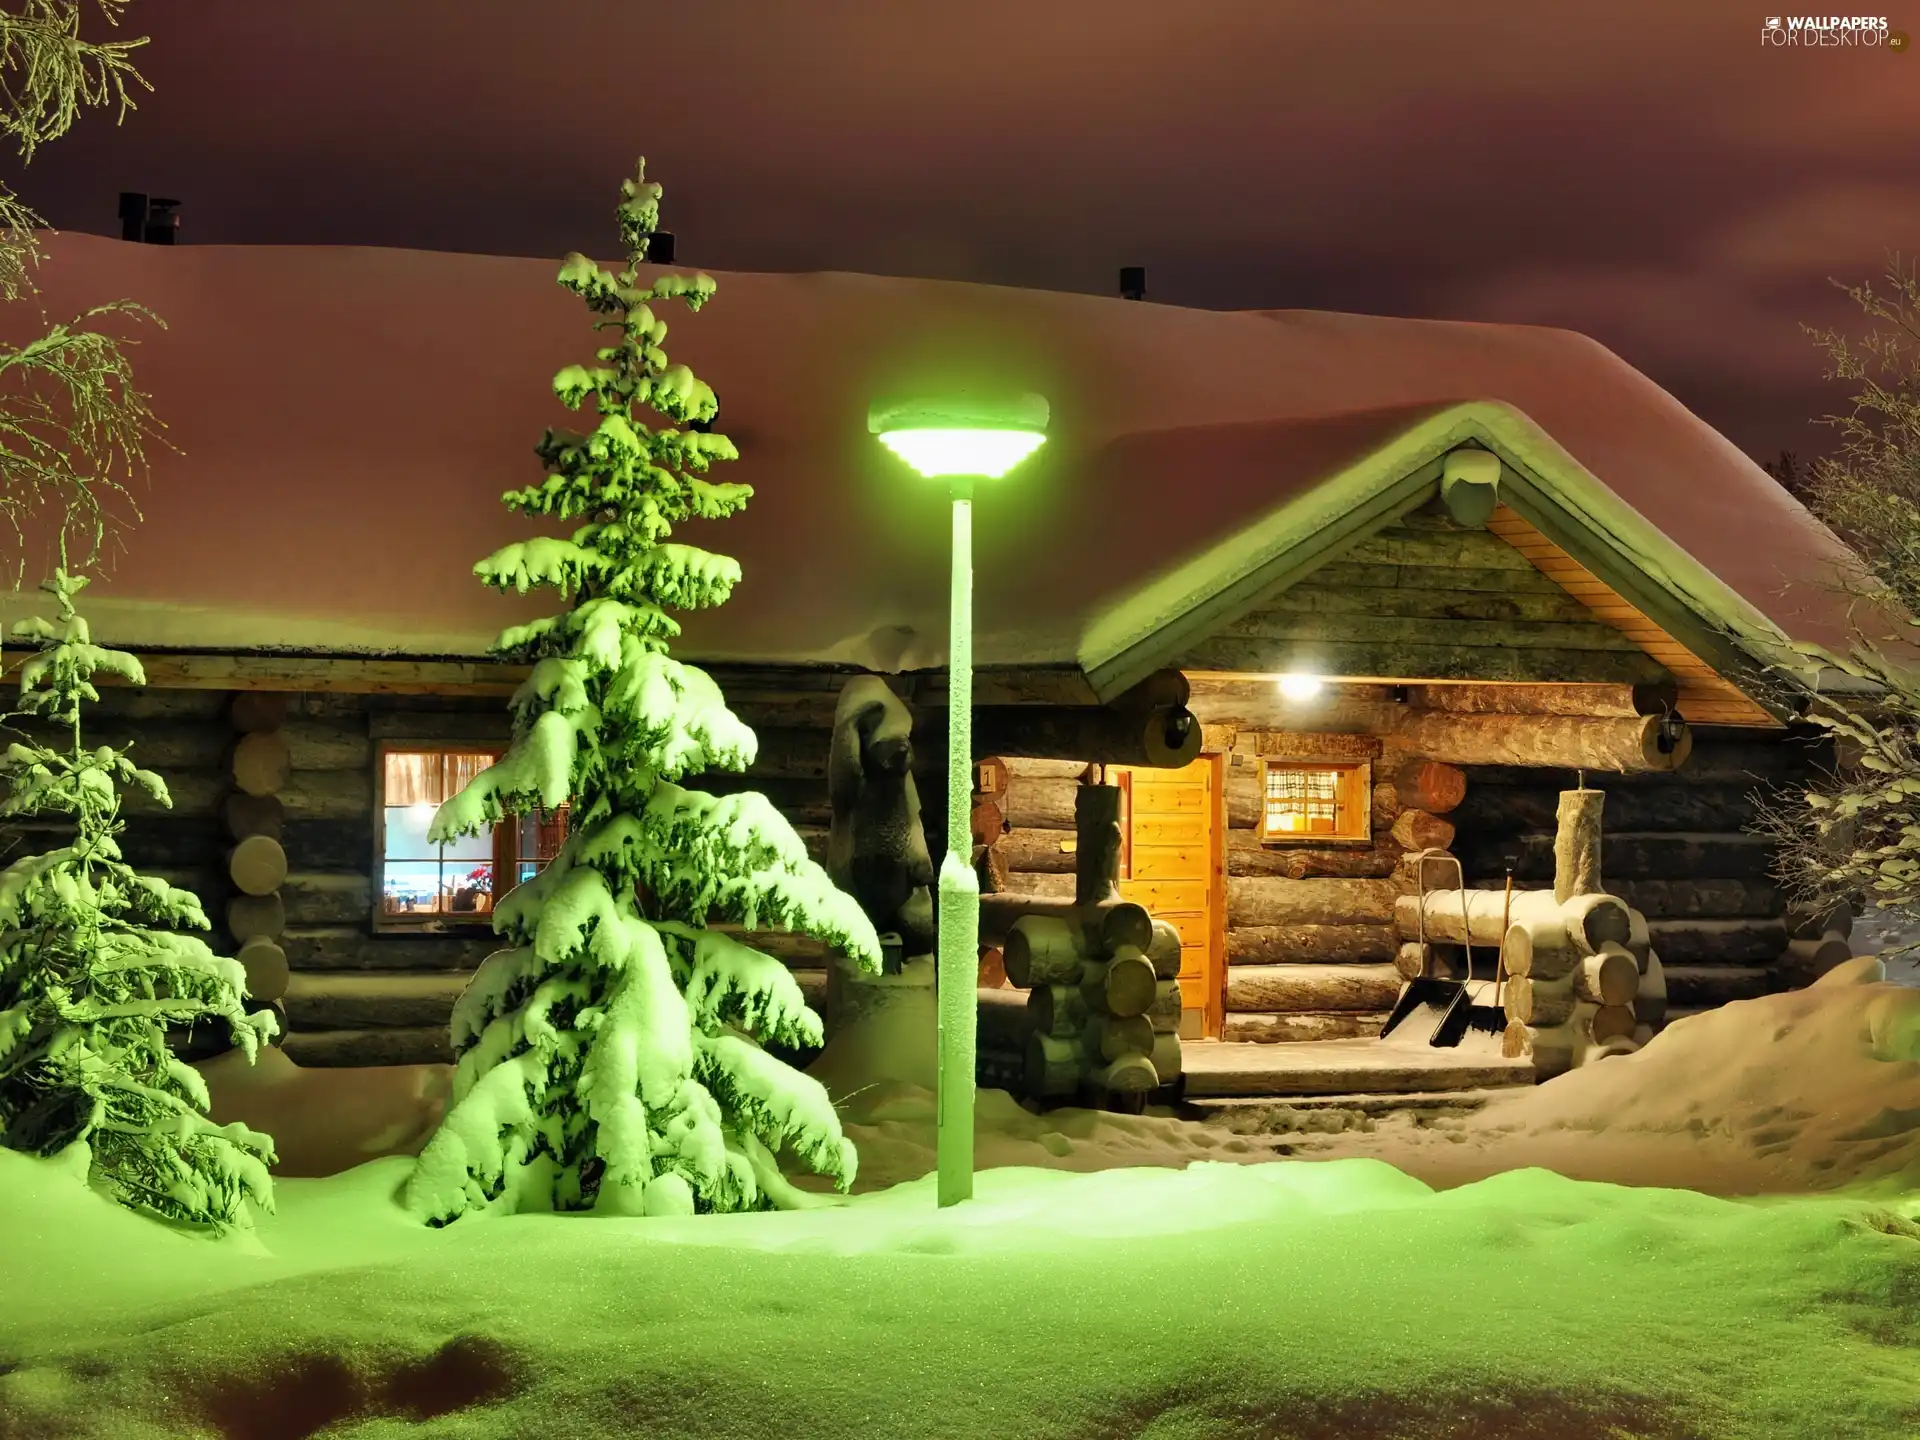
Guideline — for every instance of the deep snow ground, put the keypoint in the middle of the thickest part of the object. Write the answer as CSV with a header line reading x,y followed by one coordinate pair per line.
x,y
1165,1295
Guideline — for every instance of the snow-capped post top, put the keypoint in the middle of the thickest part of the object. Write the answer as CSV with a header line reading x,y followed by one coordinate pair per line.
x,y
964,434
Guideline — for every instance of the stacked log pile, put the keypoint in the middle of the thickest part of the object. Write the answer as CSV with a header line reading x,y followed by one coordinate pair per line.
x,y
1680,852
1578,976
1103,1001
255,820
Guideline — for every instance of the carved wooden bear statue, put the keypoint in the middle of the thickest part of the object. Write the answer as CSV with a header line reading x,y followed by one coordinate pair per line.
x,y
876,849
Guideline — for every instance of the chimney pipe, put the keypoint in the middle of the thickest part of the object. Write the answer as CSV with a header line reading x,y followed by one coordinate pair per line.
x,y
660,248
133,215
148,219
1133,282
163,222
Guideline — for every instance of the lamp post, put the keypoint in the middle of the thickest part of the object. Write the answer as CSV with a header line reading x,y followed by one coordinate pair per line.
x,y
960,440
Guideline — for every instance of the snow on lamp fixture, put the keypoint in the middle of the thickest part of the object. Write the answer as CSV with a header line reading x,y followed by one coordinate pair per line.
x,y
1300,687
963,437
959,439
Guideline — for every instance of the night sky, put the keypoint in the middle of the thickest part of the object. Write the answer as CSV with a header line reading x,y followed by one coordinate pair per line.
x,y
1645,170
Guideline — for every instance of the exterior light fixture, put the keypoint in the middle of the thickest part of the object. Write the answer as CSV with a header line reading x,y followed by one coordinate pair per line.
x,y
1300,687
960,440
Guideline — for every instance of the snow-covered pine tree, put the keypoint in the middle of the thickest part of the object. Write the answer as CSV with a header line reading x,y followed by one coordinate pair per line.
x,y
610,1059
93,968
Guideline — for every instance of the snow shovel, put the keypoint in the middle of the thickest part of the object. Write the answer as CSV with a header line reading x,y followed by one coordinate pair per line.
x,y
1430,1010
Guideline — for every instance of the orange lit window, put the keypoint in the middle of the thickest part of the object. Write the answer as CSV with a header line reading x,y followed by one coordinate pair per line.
x,y
1316,801
455,882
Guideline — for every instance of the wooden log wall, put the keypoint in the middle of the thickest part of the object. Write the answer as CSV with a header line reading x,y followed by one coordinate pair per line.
x,y
183,736
1676,848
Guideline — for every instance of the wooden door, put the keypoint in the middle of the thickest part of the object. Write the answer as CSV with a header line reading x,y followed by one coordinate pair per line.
x,y
1172,863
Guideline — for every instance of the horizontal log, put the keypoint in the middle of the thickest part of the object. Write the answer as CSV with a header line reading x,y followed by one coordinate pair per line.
x,y
317,898
793,752
326,745
1710,899
1686,942
1130,1075
1413,960
491,724
1042,950
1627,855
1163,738
418,1045
1394,634
1697,986
345,999
1314,1025
1255,706
1164,950
258,710
1041,886
1614,744
1805,961
1670,804
1039,852
1124,986
163,745
1599,701
1112,1036
328,795
343,947
1435,602
1258,901
165,840
1608,1023
1724,757
1273,988
1040,804
1309,944
1409,660
1166,1057
1248,857
1490,912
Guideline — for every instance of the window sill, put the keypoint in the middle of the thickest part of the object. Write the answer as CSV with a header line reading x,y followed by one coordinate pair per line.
x,y
388,926
1314,842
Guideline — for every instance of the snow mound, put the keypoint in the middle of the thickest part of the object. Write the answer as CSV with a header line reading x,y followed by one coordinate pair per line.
x,y
326,1120
1813,1089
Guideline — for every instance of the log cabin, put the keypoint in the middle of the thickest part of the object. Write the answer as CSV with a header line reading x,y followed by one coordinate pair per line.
x,y
1316,592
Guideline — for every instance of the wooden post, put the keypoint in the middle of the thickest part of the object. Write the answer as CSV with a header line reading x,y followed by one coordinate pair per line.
x,y
1576,844
1096,817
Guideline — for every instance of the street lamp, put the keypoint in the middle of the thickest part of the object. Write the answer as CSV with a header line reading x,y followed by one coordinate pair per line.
x,y
960,440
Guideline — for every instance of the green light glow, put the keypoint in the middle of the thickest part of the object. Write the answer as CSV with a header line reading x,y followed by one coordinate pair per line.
x,y
938,453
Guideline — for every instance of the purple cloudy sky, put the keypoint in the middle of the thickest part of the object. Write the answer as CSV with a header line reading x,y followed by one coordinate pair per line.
x,y
1642,170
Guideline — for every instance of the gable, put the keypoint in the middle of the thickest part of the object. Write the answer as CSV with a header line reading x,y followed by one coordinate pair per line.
x,y
1424,598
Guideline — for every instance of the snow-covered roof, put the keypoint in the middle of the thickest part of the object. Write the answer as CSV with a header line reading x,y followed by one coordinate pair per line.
x,y
346,418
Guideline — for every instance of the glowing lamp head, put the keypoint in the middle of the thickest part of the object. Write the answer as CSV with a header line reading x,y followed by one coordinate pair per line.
x,y
966,435
1300,687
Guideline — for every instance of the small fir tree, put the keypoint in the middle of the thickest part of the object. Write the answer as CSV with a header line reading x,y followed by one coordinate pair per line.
x,y
610,1059
93,968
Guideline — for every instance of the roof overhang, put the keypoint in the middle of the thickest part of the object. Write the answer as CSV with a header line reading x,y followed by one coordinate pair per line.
x,y
1540,481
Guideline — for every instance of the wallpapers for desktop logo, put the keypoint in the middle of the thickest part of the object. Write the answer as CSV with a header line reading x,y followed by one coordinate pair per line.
x,y
1831,31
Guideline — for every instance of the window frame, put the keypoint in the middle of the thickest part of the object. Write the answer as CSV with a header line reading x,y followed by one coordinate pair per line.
x,y
1356,780
506,849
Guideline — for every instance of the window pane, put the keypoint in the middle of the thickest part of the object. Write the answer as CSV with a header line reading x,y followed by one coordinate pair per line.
x,y
470,847
411,888
469,889
462,766
407,832
412,778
